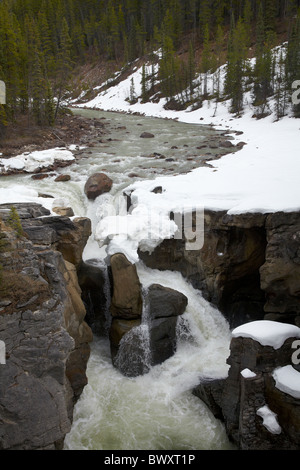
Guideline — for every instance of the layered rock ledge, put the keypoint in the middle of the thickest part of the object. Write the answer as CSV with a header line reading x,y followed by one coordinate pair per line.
x,y
43,328
259,400
248,267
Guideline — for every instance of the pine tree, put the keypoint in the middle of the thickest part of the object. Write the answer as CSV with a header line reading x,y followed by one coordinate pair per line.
x,y
144,87
206,57
64,63
219,47
14,222
280,88
191,69
263,67
292,64
236,67
204,17
270,15
9,57
132,93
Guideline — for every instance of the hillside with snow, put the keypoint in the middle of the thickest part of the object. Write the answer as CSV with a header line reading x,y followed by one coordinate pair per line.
x,y
261,177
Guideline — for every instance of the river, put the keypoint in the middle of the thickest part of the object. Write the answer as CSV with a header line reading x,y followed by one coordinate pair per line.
x,y
157,410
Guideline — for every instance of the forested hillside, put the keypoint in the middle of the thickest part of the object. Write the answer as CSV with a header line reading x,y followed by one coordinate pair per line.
x,y
42,41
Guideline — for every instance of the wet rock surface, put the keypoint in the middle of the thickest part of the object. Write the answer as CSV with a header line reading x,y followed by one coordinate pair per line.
x,y
143,328
97,184
238,399
248,266
42,323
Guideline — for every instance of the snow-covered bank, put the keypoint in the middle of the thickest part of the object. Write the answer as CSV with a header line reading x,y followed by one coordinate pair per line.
x,y
261,177
30,162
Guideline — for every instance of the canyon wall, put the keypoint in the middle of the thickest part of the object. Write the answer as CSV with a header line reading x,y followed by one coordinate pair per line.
x,y
42,325
248,267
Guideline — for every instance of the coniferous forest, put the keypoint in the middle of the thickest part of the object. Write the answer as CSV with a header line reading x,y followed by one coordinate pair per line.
x,y
43,41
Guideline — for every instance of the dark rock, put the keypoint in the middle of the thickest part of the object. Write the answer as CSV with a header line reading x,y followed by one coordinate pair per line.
x,y
64,211
46,341
63,178
210,392
147,135
96,296
25,210
238,398
40,176
226,144
97,184
139,342
226,268
248,266
164,305
158,190
280,273
165,302
162,339
67,236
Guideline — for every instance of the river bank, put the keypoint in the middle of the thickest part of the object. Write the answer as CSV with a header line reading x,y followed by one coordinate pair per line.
x,y
69,130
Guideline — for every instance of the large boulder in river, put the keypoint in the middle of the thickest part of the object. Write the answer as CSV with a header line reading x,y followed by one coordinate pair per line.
x,y
127,302
126,309
147,135
165,305
97,184
149,338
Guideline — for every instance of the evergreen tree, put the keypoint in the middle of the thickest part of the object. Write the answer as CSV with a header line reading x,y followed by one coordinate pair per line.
x,y
292,64
64,63
206,58
191,69
263,67
204,17
219,47
236,67
280,88
270,15
14,222
144,86
132,93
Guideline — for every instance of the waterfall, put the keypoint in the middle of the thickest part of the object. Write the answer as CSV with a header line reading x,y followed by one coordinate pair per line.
x,y
134,354
156,410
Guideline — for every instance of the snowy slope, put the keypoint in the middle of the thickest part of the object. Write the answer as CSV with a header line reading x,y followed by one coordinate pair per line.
x,y
262,177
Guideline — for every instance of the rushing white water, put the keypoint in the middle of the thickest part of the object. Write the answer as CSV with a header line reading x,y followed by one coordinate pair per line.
x,y
156,410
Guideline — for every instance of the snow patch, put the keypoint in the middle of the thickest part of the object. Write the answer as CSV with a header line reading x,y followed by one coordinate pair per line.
x,y
30,162
287,379
248,374
269,419
267,333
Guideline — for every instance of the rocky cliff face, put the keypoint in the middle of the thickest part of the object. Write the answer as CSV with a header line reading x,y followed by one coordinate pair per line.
x,y
42,326
248,267
258,414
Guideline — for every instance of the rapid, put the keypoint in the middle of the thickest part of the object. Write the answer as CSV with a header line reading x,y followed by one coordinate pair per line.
x,y
156,411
